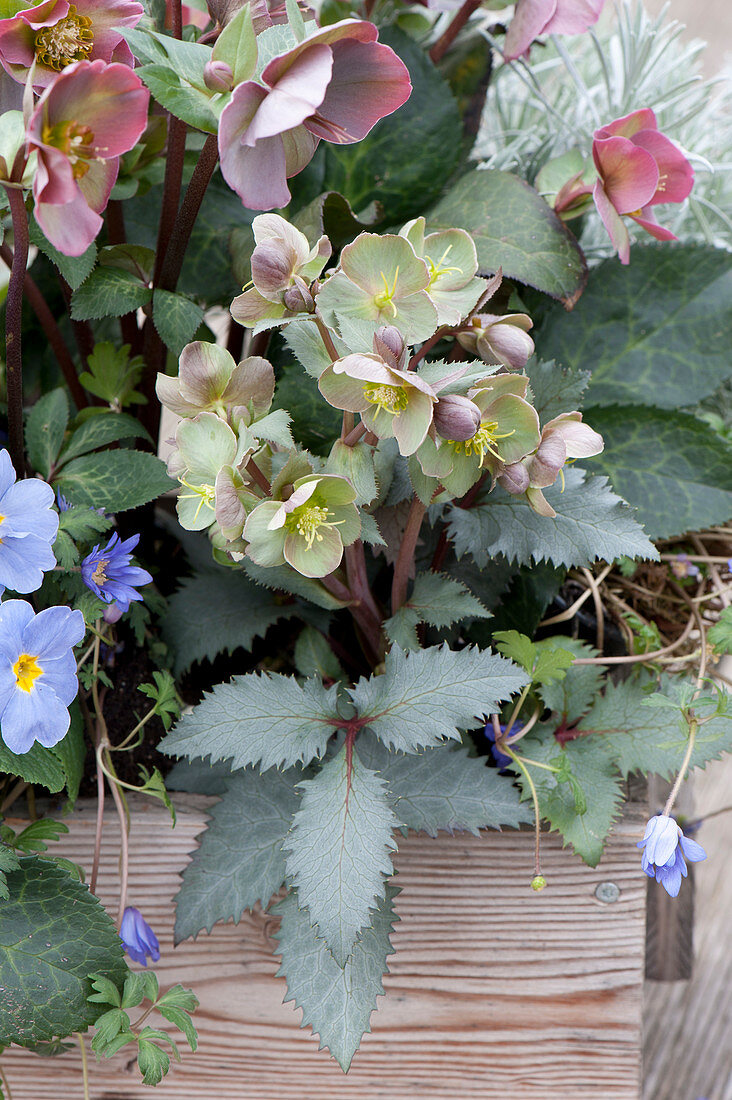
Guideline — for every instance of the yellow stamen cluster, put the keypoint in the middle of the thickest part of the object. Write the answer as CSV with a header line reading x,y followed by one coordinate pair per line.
x,y
307,522
207,494
73,140
439,268
69,40
26,671
392,399
99,576
383,299
483,442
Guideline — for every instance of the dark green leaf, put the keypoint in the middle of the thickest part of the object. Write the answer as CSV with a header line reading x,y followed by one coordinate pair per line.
x,y
570,697
314,656
38,765
53,935
407,159
315,424
720,635
83,523
97,430
514,229
74,269
71,751
181,99
152,1062
44,432
675,469
176,318
655,332
331,214
108,292
336,1002
239,861
114,480
199,777
591,523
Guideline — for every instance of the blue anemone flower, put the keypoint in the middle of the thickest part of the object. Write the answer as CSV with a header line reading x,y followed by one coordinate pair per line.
x,y
138,938
37,673
664,847
501,758
28,527
109,574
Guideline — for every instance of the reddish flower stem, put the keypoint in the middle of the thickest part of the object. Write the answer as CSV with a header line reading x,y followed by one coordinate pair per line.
x,y
13,329
443,43
405,559
51,330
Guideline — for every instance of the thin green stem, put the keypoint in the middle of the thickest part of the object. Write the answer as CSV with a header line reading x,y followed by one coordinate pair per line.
x,y
6,1086
693,726
143,722
84,1064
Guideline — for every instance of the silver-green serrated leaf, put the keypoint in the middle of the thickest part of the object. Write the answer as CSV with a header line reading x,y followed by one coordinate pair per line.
x,y
444,788
53,935
592,523
556,389
425,697
434,599
260,718
239,861
338,849
336,1002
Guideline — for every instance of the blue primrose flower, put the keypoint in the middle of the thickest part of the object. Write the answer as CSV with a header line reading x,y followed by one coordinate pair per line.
x,y
37,673
137,937
664,847
28,528
109,574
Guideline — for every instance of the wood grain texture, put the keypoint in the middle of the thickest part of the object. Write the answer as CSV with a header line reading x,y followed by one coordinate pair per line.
x,y
495,993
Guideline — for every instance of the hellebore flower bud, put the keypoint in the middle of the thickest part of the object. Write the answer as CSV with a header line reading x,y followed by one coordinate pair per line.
x,y
500,339
514,478
389,344
456,417
298,298
218,76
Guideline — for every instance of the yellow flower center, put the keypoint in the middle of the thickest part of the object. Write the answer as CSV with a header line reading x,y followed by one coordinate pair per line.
x,y
383,300
99,576
308,521
69,40
1,520
439,268
392,399
26,671
74,140
206,493
483,442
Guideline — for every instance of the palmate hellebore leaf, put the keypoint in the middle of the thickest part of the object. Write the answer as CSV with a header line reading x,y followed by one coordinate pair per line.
x,y
261,718
338,851
337,1002
53,935
239,861
425,697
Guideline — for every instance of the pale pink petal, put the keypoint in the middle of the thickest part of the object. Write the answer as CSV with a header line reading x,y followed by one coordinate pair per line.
x,y
612,221
299,146
527,24
295,96
629,174
257,174
345,28
105,17
70,227
96,185
676,176
54,180
574,16
369,82
628,125
649,223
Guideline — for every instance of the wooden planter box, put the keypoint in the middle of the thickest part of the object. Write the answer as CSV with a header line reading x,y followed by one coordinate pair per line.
x,y
495,993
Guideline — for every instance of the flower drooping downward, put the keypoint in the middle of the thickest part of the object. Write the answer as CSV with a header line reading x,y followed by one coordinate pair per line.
x,y
664,847
137,937
37,673
81,125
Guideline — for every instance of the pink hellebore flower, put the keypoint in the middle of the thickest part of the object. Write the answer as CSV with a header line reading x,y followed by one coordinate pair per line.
x,y
336,84
81,125
638,167
56,33
535,17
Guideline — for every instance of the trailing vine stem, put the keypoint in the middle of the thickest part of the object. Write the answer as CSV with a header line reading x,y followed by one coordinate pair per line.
x,y
13,329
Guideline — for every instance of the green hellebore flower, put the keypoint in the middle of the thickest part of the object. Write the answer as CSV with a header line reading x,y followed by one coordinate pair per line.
x,y
209,380
452,263
391,402
309,530
283,267
382,282
205,445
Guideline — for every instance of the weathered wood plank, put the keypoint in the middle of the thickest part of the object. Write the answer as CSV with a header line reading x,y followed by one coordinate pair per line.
x,y
495,993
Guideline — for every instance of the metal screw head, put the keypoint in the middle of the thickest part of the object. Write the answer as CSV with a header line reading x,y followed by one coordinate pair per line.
x,y
607,892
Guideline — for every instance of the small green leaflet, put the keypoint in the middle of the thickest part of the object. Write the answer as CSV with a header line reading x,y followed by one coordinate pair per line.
x,y
444,788
437,600
720,635
545,664
239,861
44,432
8,862
261,718
336,1002
338,849
570,697
425,697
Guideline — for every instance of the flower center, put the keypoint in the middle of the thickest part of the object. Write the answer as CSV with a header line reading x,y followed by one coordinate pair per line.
x,y
1,523
383,300
392,399
74,141
26,671
439,268
69,40
207,494
99,576
308,520
483,442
